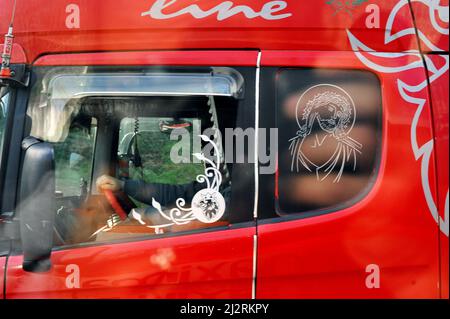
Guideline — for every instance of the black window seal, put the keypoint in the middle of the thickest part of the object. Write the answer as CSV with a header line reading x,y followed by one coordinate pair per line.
x,y
6,140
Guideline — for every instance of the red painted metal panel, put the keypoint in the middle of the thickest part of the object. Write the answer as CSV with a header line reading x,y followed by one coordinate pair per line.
x,y
431,19
209,265
121,25
326,256
440,106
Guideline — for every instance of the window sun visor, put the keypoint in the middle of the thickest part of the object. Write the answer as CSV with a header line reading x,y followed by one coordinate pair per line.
x,y
66,87
54,102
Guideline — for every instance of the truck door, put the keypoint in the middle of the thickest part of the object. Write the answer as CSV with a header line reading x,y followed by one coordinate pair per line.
x,y
129,116
347,213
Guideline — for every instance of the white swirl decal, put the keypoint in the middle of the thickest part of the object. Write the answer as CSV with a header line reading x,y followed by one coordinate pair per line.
x,y
207,205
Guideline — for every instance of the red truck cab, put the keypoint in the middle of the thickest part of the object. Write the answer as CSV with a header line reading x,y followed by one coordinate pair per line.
x,y
254,149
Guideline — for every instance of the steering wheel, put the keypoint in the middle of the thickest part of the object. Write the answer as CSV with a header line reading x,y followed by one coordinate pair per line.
x,y
120,203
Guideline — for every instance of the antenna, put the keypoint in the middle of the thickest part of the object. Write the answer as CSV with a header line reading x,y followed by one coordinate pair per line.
x,y
5,71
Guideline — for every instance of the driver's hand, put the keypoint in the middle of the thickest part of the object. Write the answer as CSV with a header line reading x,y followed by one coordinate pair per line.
x,y
109,183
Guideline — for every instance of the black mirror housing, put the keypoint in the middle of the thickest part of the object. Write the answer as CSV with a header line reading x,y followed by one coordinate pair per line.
x,y
37,204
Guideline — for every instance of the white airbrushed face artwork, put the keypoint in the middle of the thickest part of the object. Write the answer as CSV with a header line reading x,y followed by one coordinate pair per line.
x,y
325,115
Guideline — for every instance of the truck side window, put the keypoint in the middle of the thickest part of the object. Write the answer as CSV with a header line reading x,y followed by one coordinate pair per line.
x,y
132,165
329,137
164,187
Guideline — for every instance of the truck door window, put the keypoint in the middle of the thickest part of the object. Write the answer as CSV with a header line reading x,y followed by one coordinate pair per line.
x,y
136,160
329,138
154,176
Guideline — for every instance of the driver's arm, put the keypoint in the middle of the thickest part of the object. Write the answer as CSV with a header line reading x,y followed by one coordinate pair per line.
x,y
165,194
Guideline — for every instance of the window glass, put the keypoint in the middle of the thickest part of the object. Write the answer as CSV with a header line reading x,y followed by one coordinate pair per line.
x,y
329,137
153,184
151,137
141,165
4,101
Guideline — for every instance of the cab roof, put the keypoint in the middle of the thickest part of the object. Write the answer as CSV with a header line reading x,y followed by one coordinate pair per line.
x,y
60,26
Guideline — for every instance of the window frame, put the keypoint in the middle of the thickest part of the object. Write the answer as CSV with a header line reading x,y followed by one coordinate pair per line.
x,y
5,143
246,115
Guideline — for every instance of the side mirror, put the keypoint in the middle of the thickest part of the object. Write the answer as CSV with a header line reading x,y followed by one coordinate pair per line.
x,y
37,204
